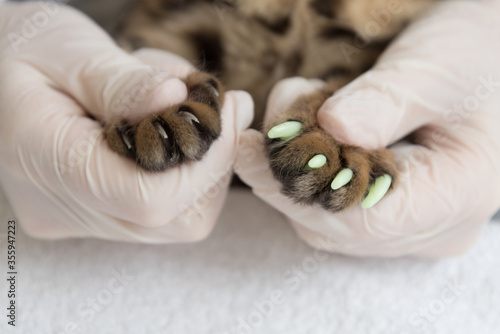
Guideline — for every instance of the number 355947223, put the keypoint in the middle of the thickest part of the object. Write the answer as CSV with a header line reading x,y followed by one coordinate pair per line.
x,y
11,247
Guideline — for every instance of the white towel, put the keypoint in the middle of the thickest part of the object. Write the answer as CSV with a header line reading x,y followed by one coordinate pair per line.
x,y
252,275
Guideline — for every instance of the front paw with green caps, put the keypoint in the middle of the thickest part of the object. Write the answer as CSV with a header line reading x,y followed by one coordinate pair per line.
x,y
314,168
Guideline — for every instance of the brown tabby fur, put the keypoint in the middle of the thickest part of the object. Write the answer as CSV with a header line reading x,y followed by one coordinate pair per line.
x,y
251,45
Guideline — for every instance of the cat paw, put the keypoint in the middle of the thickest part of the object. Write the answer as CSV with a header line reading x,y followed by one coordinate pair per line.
x,y
314,168
183,132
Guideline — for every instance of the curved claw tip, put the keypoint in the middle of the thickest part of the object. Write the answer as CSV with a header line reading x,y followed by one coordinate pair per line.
x,y
126,140
377,191
190,117
285,130
342,178
161,130
317,161
215,91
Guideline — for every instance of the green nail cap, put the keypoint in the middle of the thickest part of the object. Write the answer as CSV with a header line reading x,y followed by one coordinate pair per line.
x,y
317,161
285,130
342,178
377,191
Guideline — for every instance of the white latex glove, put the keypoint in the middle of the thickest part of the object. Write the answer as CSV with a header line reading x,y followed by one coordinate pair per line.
x,y
59,175
440,81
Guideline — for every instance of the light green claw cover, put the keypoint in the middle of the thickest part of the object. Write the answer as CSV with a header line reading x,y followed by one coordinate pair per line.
x,y
342,178
317,161
377,191
285,130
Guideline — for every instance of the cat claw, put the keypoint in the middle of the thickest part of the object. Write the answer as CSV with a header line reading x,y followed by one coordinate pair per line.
x,y
126,140
285,130
190,117
161,130
215,91
377,191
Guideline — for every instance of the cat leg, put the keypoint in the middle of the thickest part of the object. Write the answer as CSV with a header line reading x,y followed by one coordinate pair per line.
x,y
315,168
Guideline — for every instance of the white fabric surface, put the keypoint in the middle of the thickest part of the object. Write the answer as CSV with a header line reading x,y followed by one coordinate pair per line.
x,y
211,286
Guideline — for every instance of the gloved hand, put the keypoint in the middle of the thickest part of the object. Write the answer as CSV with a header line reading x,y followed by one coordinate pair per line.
x,y
57,71
440,82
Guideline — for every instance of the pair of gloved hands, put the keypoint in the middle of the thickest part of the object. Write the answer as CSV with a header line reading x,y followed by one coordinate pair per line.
x,y
439,82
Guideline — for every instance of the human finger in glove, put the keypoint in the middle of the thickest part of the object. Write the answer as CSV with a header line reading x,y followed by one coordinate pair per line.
x,y
59,84
438,88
